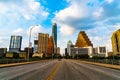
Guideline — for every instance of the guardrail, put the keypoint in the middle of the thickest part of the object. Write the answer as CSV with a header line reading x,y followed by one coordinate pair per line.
x,y
106,61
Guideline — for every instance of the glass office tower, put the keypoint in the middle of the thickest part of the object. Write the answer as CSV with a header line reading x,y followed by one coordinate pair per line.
x,y
15,43
54,35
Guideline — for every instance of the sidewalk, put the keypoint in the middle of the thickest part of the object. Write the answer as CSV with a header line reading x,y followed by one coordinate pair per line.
x,y
101,64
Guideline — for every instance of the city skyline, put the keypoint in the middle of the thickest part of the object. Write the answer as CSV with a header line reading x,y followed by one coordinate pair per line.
x,y
98,18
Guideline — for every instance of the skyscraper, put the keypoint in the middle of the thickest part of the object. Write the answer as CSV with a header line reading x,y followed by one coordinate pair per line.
x,y
83,40
42,42
15,43
115,39
54,35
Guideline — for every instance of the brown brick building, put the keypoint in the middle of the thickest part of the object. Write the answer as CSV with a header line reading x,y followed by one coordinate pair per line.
x,y
50,46
42,42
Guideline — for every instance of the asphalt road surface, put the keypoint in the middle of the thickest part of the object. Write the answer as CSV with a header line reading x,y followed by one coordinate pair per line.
x,y
59,70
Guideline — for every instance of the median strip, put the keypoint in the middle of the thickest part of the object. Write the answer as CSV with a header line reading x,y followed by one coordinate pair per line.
x,y
52,74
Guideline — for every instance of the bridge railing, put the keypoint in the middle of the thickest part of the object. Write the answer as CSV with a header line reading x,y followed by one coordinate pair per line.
x,y
7,61
106,61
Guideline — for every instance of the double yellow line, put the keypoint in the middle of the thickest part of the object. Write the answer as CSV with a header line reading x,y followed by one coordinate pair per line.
x,y
52,74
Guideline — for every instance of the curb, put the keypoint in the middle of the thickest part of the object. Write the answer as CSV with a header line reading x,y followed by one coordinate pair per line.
x,y
103,65
17,64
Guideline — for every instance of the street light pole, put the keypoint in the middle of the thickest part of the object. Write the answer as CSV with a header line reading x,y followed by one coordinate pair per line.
x,y
29,42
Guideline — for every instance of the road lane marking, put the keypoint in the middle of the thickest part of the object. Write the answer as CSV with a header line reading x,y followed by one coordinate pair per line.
x,y
52,74
12,73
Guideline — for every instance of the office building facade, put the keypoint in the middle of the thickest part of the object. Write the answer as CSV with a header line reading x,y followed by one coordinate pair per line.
x,y
42,43
3,51
15,44
115,39
31,49
35,46
100,51
80,51
54,35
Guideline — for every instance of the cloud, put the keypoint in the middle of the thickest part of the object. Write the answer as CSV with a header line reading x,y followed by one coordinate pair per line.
x,y
110,1
66,30
101,34
69,15
4,42
83,15
73,11
1,40
22,14
24,8
18,31
17,16
99,18
98,13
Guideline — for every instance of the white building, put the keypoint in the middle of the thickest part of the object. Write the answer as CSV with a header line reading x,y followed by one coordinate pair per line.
x,y
78,50
100,51
69,46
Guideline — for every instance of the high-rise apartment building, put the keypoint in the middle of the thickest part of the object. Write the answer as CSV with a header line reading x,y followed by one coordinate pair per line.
x,y
83,40
42,42
50,46
54,35
115,39
15,43
69,46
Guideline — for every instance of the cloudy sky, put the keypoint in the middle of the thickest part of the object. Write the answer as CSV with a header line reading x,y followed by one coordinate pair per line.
x,y
99,18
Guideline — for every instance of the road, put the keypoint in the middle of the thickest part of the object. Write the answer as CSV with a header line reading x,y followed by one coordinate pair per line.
x,y
59,70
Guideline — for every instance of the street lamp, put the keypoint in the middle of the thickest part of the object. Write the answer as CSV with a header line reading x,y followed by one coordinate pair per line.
x,y
29,42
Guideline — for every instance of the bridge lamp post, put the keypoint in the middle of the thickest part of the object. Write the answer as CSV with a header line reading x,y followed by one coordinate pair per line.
x,y
29,42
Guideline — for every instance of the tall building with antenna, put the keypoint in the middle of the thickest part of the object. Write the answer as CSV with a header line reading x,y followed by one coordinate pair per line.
x,y
54,35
